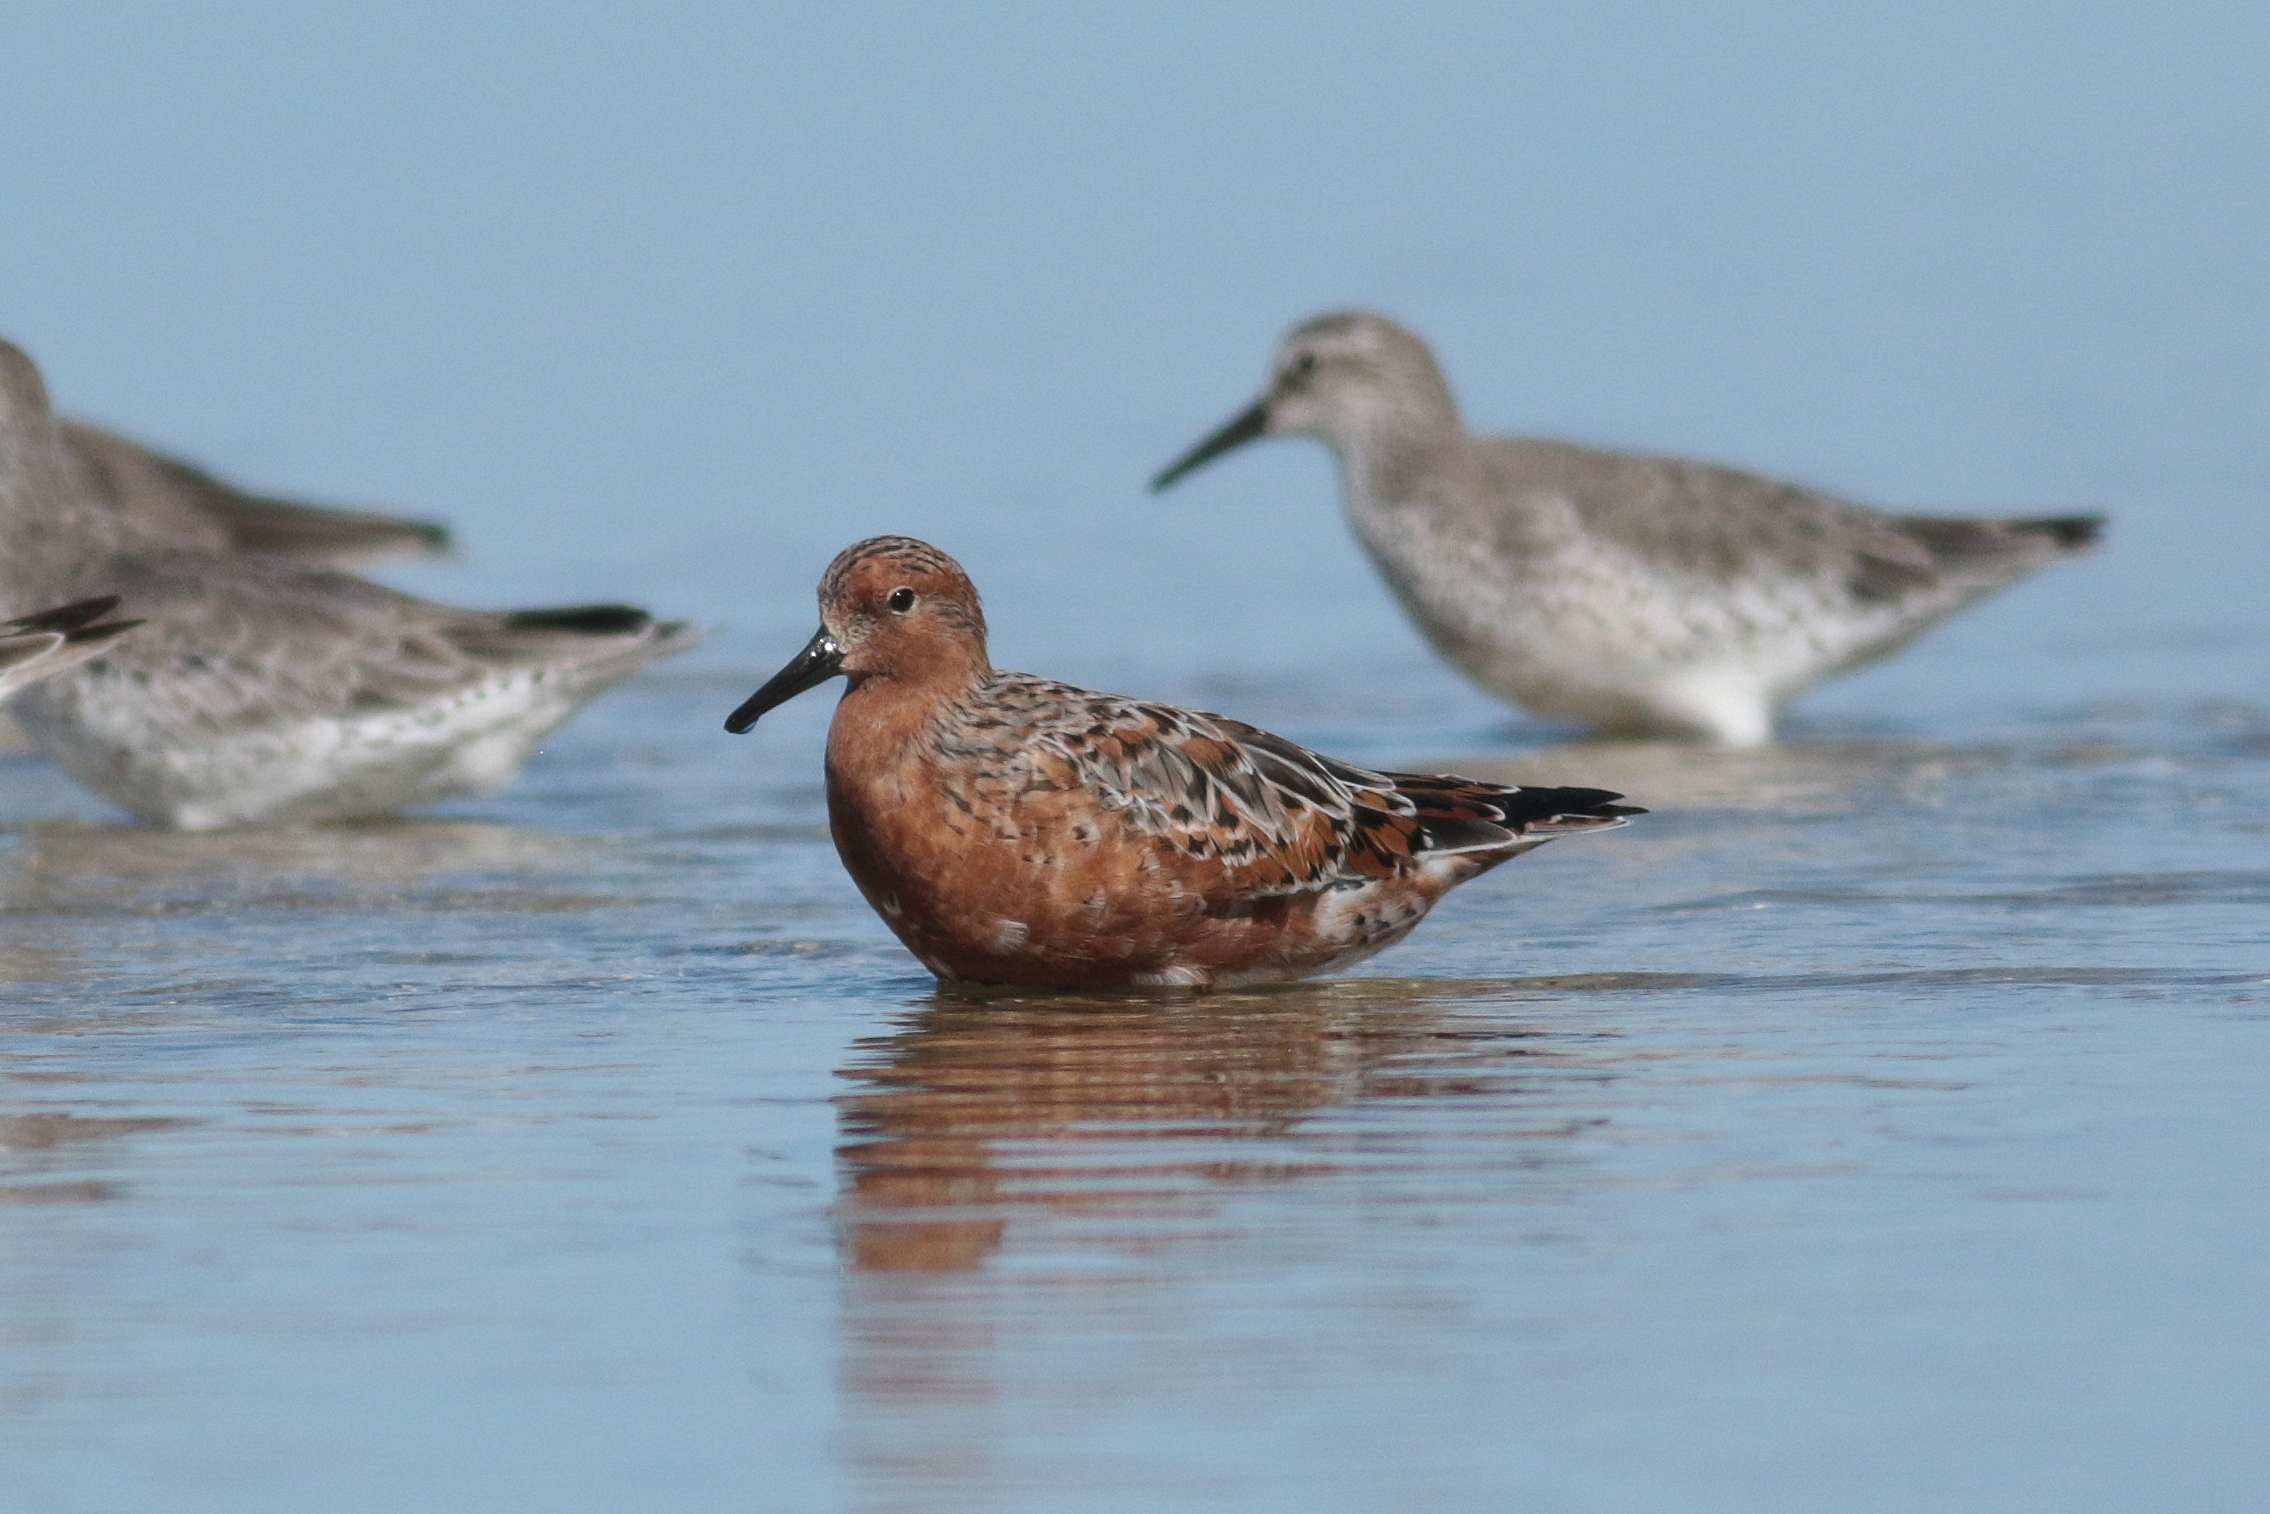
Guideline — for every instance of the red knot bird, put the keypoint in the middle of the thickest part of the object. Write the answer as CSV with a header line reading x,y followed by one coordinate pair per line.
x,y
1016,831
1645,596
267,689
40,645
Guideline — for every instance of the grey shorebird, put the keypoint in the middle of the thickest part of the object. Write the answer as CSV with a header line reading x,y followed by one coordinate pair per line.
x,y
266,689
1642,595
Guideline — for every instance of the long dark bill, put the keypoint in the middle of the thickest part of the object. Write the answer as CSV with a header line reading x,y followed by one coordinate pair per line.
x,y
820,661
1248,424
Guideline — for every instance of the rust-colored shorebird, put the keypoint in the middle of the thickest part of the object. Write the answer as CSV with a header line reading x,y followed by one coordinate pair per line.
x,y
1013,830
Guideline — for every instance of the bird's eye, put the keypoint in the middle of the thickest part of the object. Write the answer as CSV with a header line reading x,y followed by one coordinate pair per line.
x,y
901,601
1302,367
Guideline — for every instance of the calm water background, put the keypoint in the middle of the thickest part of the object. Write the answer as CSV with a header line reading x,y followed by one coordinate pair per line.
x,y
1878,1126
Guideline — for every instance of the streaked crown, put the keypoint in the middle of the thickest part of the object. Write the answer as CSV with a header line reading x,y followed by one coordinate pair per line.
x,y
865,574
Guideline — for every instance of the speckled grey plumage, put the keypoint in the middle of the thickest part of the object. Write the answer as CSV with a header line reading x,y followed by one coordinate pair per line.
x,y
1642,595
268,689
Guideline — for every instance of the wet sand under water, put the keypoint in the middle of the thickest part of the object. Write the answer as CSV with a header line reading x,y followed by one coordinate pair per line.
x,y
1876,1126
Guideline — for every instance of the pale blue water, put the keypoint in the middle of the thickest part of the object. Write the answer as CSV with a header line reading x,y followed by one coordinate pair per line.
x,y
1876,1126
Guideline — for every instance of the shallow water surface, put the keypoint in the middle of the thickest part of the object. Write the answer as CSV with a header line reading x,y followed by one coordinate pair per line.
x,y
1877,1125
1875,1128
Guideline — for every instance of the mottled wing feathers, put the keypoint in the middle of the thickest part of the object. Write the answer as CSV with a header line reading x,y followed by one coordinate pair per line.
x,y
1279,817
241,639
1727,524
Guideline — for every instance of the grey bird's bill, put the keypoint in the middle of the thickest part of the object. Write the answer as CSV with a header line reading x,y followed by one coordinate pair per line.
x,y
1246,425
820,661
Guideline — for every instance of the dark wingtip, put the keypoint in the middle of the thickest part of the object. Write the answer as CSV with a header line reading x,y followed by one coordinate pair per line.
x,y
1600,802
1573,806
1509,819
2071,532
70,617
585,620
1586,801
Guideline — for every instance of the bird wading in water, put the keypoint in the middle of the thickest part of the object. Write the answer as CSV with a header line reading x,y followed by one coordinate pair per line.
x,y
1013,830
1640,595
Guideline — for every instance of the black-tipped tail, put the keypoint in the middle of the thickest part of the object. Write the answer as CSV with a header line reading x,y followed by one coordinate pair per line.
x,y
66,618
583,620
1553,809
2072,532
1464,815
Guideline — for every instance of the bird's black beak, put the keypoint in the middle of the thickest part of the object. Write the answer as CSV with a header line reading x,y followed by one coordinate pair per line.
x,y
1248,424
820,661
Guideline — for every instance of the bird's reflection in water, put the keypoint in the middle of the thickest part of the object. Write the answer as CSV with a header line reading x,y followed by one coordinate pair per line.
x,y
68,861
69,865
64,884
982,1109
1021,1163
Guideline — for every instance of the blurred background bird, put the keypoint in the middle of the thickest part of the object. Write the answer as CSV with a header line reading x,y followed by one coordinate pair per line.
x,y
1641,595
267,688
